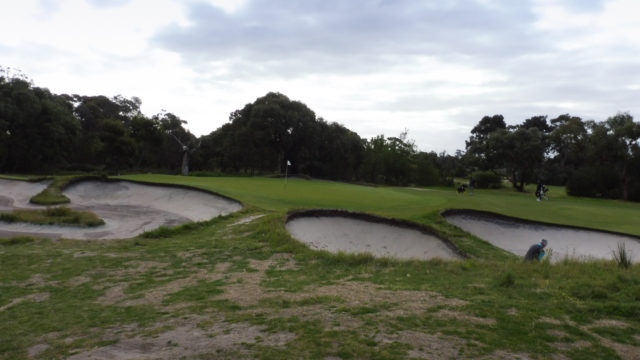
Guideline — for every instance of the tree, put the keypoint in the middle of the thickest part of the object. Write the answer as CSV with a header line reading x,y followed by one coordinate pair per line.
x,y
518,150
614,143
568,145
119,149
37,128
478,154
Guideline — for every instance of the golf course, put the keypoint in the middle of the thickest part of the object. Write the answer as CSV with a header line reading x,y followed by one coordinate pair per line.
x,y
240,286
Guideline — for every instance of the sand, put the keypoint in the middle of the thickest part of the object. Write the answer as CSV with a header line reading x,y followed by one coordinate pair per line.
x,y
349,235
517,237
127,208
16,194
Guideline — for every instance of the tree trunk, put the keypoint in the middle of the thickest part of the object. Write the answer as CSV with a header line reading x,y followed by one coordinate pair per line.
x,y
185,163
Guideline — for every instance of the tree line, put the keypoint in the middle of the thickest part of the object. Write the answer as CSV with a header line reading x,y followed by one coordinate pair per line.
x,y
45,132
595,159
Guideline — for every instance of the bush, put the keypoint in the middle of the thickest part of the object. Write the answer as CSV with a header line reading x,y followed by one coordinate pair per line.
x,y
487,180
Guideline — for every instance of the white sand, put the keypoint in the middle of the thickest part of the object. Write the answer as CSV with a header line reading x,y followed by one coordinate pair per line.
x,y
517,237
15,194
336,234
128,209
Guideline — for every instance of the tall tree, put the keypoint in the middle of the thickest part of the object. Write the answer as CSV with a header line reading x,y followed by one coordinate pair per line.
x,y
615,144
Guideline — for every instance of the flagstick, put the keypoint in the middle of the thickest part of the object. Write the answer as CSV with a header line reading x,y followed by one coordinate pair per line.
x,y
286,173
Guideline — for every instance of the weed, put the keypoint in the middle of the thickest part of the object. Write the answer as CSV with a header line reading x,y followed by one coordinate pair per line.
x,y
622,256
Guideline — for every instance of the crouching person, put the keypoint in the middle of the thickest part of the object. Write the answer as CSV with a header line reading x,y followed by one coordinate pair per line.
x,y
536,252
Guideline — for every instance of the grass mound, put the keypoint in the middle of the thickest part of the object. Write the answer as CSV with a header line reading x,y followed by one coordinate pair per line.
x,y
61,215
52,195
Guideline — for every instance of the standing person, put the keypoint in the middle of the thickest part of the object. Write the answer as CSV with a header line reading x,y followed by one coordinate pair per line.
x,y
472,184
536,252
539,191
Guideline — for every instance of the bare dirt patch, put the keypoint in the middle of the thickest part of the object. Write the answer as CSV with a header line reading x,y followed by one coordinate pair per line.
x,y
77,281
155,296
449,314
187,338
246,220
39,297
625,351
427,346
35,350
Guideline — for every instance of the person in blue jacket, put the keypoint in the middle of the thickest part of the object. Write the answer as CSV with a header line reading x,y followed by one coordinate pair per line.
x,y
536,252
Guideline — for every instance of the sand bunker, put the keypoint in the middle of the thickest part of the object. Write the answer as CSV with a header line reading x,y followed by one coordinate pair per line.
x,y
16,194
127,208
517,236
337,231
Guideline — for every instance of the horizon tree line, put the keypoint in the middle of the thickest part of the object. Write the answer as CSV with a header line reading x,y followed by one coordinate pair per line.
x,y
42,132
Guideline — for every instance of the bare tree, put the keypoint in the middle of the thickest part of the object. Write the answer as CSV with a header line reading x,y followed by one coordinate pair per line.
x,y
186,154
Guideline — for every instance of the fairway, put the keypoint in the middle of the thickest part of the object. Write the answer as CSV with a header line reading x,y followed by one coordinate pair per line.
x,y
416,204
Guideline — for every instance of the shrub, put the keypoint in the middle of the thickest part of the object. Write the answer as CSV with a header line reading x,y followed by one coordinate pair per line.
x,y
487,180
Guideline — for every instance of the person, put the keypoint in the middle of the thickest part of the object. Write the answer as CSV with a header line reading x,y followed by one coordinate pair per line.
x,y
536,252
472,184
541,191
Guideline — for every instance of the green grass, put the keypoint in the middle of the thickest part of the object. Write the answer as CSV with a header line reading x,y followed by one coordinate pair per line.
x,y
222,280
52,195
60,215
416,204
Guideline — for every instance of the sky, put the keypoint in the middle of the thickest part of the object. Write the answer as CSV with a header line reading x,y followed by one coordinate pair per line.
x,y
431,67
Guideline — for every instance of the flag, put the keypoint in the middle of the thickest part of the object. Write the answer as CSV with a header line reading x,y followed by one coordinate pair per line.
x,y
288,163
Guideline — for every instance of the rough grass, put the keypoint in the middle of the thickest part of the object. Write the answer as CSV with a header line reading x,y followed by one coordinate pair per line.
x,y
218,290
250,291
60,215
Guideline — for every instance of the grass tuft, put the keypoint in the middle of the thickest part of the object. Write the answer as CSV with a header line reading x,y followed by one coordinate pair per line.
x,y
622,256
508,279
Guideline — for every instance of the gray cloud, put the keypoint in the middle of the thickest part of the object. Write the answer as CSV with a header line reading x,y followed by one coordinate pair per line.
x,y
291,37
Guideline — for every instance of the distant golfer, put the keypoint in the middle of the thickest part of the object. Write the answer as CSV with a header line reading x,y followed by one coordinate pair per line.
x,y
536,252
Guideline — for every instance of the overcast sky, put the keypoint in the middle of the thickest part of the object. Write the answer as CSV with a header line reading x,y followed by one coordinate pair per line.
x,y
378,67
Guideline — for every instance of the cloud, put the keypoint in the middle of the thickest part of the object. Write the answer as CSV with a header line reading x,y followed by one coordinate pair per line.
x,y
294,38
108,3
